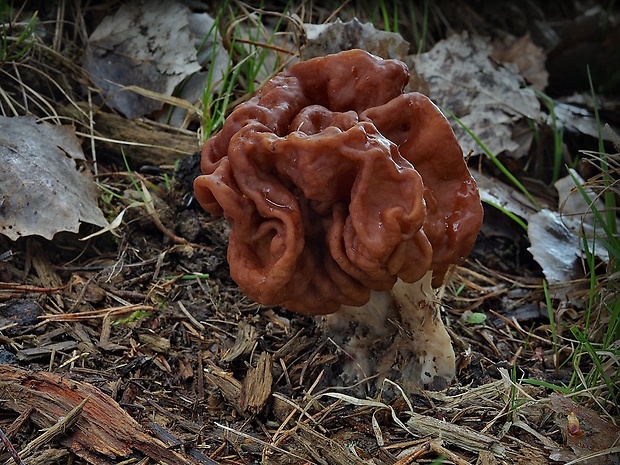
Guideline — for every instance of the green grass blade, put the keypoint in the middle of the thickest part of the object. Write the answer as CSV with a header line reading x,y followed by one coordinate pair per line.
x,y
608,195
497,162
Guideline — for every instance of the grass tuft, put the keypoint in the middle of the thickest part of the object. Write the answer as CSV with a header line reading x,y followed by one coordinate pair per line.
x,y
591,347
598,350
16,36
257,51
595,357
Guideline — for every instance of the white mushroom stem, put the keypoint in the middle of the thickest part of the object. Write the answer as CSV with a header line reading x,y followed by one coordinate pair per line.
x,y
397,334
420,315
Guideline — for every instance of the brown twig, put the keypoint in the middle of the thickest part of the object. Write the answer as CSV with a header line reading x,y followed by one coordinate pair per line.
x,y
63,425
7,443
27,288
98,313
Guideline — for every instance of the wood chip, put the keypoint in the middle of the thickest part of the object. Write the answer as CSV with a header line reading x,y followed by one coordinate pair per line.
x,y
231,390
154,342
36,353
103,432
226,383
256,387
244,342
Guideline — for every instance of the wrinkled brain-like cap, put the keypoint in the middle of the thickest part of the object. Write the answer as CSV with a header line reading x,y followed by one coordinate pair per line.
x,y
335,183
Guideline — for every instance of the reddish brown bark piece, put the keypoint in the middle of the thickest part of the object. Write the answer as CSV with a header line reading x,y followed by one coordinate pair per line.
x,y
104,431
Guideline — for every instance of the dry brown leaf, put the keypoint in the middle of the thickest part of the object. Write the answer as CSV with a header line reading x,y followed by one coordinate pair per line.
x,y
586,433
528,57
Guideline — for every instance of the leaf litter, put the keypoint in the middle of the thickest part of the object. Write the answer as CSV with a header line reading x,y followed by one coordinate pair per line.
x,y
490,98
323,39
45,185
153,46
153,326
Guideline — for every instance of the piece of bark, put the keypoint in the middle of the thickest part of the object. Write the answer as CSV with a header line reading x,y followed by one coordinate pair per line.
x,y
60,428
103,432
295,346
226,383
47,456
245,340
18,423
144,142
36,353
256,387
231,390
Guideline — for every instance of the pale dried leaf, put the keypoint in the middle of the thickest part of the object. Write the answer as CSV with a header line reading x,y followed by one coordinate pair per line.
x,y
42,189
577,214
556,238
212,56
489,98
501,195
577,119
554,247
609,134
323,39
147,44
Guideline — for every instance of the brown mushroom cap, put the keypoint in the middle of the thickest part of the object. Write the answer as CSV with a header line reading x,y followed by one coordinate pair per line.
x,y
453,209
322,176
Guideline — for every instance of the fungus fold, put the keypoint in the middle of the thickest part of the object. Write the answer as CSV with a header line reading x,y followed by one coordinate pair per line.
x,y
347,198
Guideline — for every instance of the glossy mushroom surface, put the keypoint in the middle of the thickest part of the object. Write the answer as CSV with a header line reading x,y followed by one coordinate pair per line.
x,y
336,184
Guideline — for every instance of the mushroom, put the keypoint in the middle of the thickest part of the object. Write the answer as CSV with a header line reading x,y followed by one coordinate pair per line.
x,y
347,199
